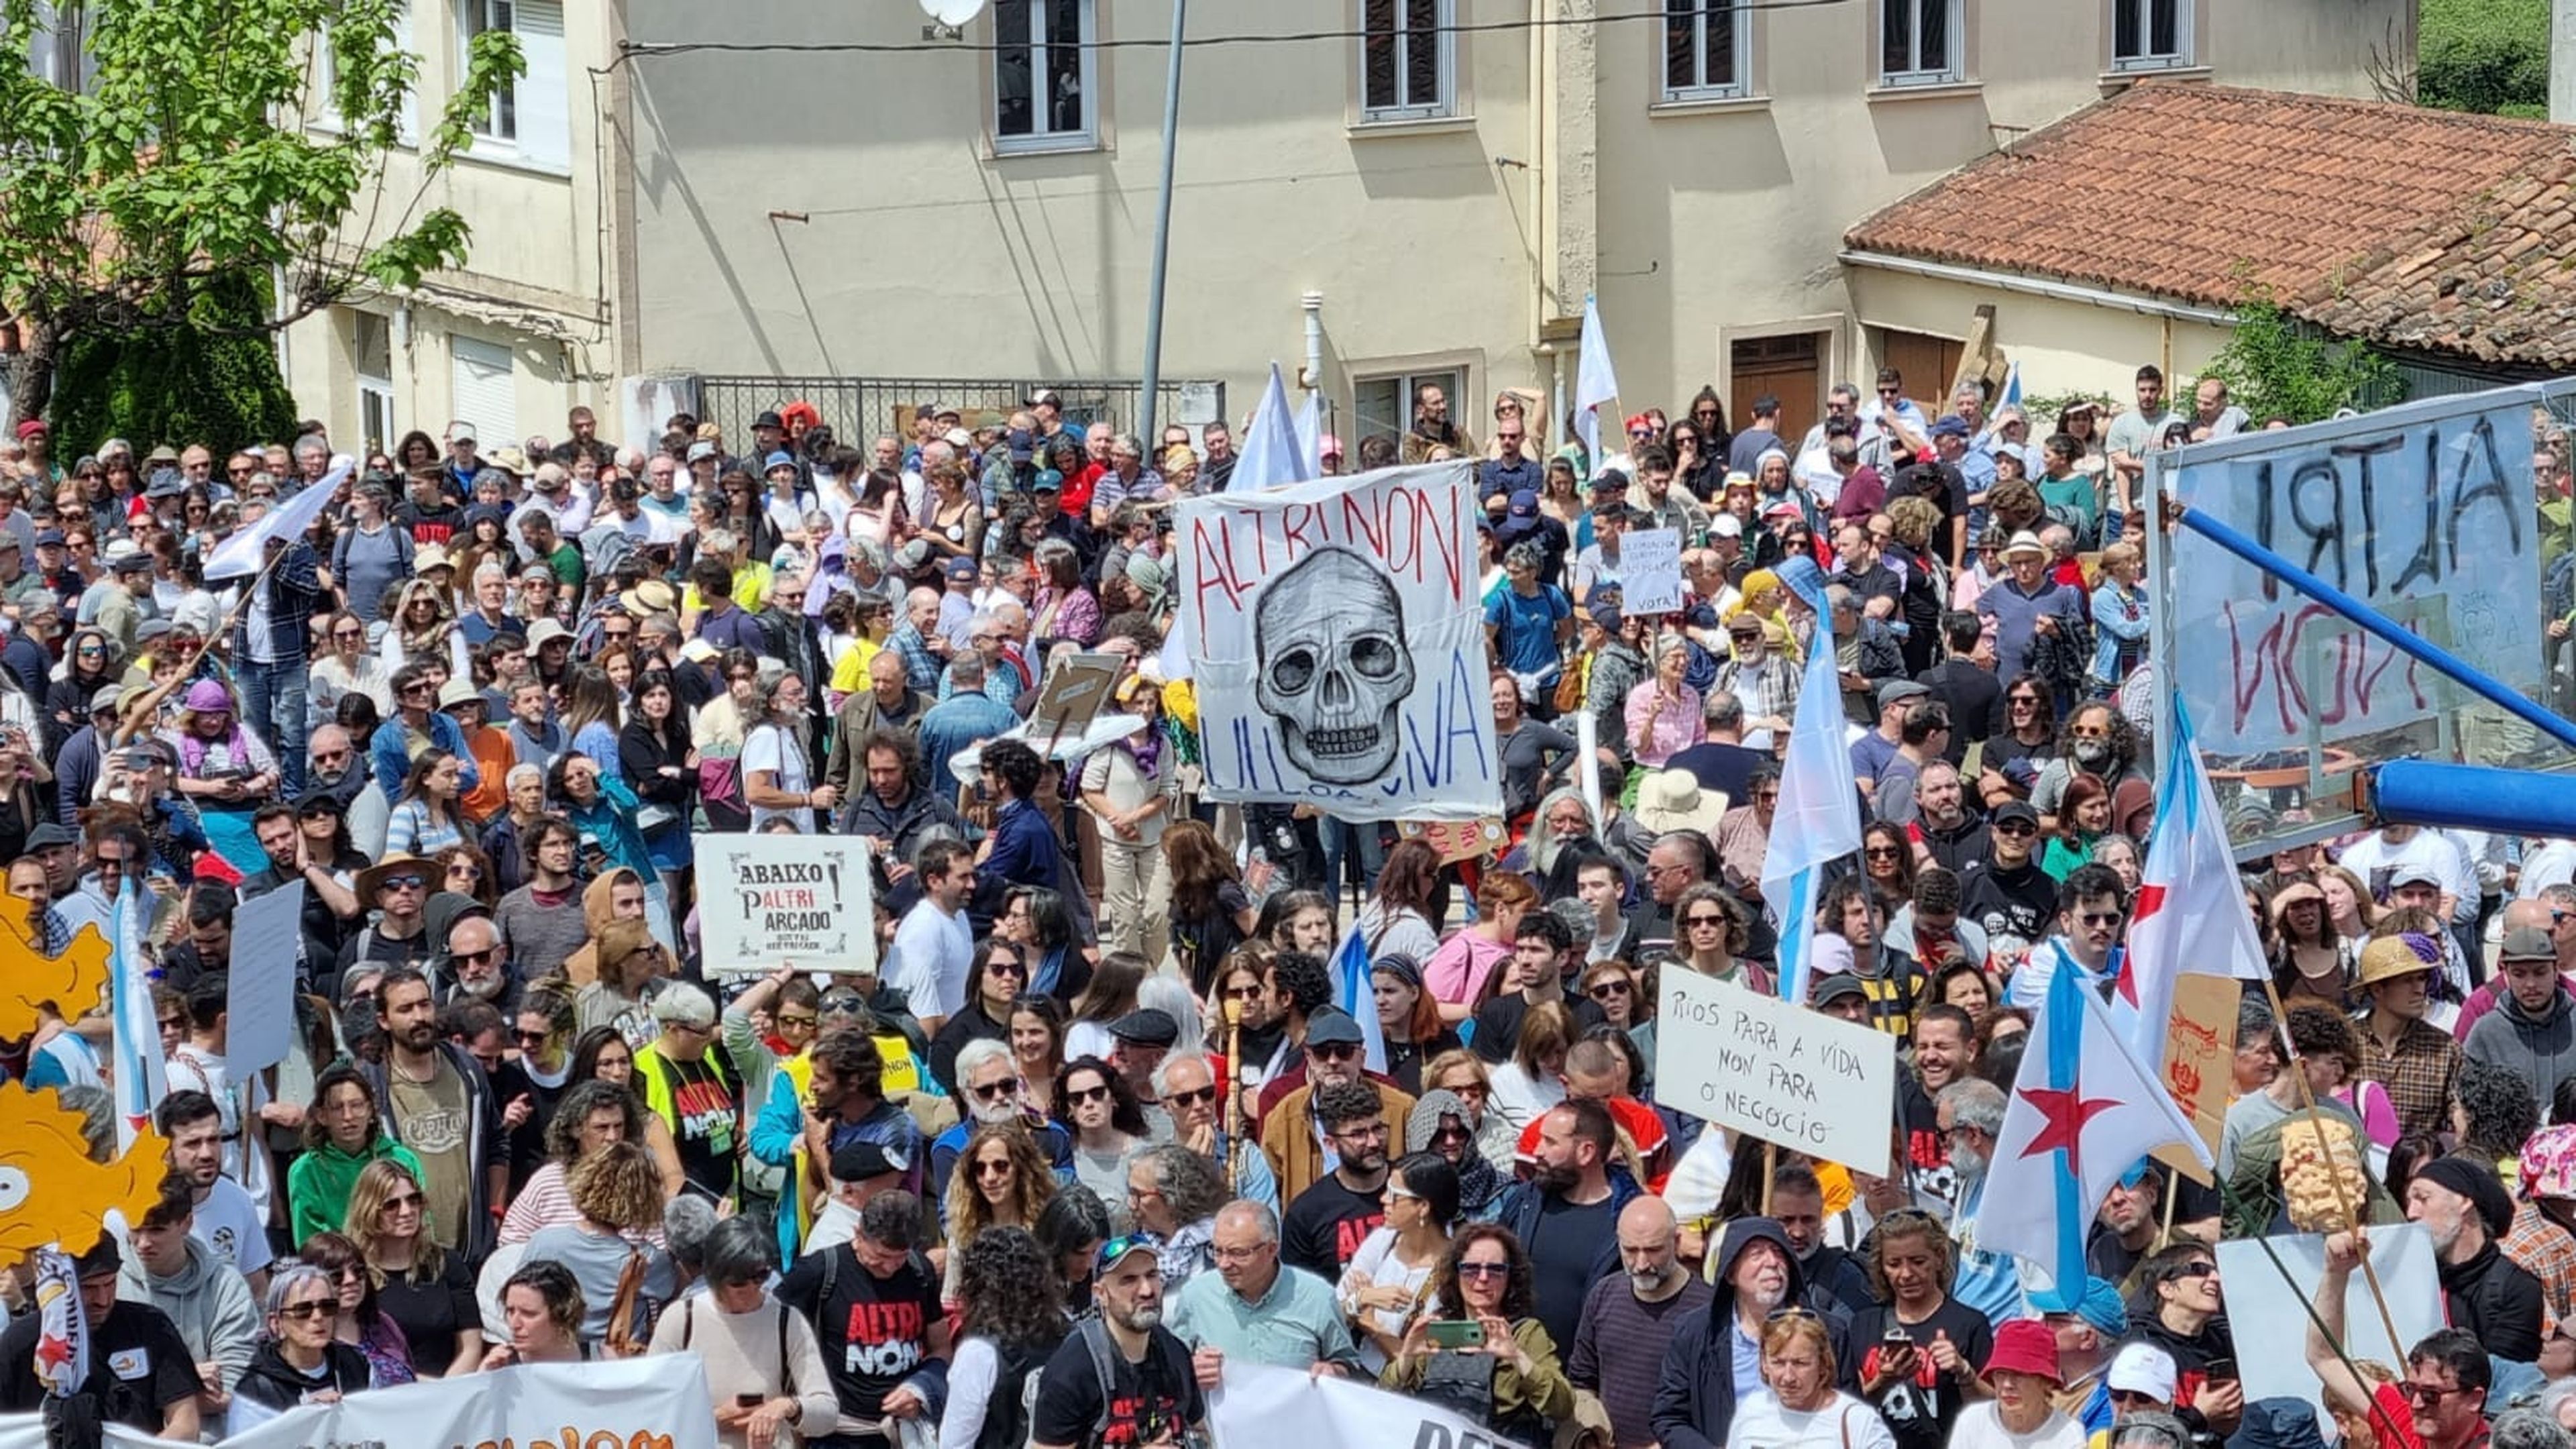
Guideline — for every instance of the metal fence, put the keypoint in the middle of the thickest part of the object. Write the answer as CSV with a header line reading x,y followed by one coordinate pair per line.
x,y
858,408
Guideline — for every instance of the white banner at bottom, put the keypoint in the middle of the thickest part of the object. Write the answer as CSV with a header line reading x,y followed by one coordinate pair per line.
x,y
642,1403
1262,1407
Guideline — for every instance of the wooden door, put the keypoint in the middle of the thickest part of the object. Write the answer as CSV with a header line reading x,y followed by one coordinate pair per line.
x,y
1789,368
1928,363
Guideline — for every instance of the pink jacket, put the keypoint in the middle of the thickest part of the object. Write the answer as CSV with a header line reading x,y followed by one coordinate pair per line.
x,y
1657,731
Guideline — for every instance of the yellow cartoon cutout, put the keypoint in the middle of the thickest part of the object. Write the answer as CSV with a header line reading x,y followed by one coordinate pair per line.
x,y
74,982
50,1190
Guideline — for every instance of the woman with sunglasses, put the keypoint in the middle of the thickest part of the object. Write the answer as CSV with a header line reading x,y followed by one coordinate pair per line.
x,y
1887,860
1001,1180
1709,931
345,667
361,1322
88,665
1919,1366
297,1361
997,975
2029,733
1390,1275
1094,1104
426,1290
1513,1383
1626,996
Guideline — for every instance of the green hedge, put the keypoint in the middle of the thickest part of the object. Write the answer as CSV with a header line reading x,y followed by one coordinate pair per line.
x,y
2489,56
177,385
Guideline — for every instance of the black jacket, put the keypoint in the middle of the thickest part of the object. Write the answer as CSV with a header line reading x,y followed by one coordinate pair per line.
x,y
1695,1398
272,1382
2497,1299
486,1146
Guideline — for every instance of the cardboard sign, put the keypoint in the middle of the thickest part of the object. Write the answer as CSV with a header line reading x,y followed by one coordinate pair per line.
x,y
1754,1063
2256,1293
2200,1048
268,936
1457,840
766,901
1650,572
1075,689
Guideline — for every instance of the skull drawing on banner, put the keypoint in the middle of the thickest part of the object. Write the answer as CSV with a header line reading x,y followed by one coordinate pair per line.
x,y
1335,666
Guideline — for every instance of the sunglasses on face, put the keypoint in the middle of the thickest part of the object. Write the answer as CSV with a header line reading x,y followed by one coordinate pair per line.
x,y
1191,1099
796,1022
530,1038
405,882
1086,1095
995,1091
1338,1051
407,1200
2015,827
304,1312
1607,989
1882,852
1484,1270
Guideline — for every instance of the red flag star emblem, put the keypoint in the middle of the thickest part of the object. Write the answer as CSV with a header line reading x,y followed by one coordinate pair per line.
x,y
2064,1113
52,1353
2151,899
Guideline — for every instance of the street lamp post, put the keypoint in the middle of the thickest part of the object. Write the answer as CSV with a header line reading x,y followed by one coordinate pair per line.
x,y
1162,239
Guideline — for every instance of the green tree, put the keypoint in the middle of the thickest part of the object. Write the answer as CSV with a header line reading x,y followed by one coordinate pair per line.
x,y
2488,56
160,199
2276,365
214,380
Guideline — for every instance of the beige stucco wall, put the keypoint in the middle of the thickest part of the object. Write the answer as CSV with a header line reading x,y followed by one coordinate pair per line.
x,y
2062,345
535,278
921,254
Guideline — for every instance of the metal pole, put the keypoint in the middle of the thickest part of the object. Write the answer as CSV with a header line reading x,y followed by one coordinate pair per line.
x,y
1162,240
2422,651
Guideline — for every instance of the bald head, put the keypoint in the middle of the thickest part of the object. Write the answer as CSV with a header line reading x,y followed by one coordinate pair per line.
x,y
1648,1239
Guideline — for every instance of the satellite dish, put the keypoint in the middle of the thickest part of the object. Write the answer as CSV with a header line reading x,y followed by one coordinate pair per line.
x,y
952,13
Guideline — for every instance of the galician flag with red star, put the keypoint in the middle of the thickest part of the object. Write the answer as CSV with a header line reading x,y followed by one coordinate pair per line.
x,y
2190,916
2083,1111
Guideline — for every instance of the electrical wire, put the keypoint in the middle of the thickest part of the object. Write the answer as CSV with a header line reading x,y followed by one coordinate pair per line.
x,y
647,49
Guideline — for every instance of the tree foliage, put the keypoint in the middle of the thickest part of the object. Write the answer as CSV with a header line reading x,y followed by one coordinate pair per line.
x,y
213,381
2276,365
187,162
2488,56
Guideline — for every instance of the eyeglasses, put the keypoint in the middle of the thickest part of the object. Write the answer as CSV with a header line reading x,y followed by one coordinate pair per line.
x,y
1086,1095
405,882
1361,1132
1191,1099
348,633
796,1021
994,1091
317,1308
2098,918
1607,989
1484,1270
2419,1392
993,1167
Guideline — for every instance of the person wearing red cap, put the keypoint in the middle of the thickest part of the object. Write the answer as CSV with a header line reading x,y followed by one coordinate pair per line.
x,y
2023,1372
37,439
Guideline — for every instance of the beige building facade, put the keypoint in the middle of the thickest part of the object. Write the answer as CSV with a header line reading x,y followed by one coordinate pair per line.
x,y
1439,197
520,334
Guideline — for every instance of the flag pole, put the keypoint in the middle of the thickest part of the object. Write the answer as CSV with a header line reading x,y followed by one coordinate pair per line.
x,y
2316,1124
1770,1173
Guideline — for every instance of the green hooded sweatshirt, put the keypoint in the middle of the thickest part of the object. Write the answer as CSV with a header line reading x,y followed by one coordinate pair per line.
x,y
318,1185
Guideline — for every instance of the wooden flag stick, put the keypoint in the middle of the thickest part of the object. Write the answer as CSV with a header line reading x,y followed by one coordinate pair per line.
x,y
2316,1123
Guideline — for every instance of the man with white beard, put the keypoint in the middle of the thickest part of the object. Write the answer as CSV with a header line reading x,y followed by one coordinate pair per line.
x,y
1715,1362
1185,1083
1971,1113
990,1091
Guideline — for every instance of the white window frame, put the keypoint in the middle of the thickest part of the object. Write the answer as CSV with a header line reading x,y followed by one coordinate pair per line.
x,y
1918,74
1451,377
1040,141
2180,58
1444,41
1696,14
499,121
375,383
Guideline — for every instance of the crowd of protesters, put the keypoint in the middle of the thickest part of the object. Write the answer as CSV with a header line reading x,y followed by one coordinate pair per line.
x,y
1100,1127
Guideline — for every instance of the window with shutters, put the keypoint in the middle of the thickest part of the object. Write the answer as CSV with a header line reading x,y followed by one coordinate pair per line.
x,y
529,119
1407,60
486,391
371,350
1043,98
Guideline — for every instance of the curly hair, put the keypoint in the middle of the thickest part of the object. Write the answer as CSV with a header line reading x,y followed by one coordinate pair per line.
x,y
619,1187
1032,1181
994,1271
580,1099
1188,1181
1518,1292
1125,1113
2124,737
2499,1106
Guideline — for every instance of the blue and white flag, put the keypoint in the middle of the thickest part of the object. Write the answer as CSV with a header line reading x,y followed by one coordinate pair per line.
x,y
2190,916
2083,1111
1818,819
1355,992
1594,384
141,1075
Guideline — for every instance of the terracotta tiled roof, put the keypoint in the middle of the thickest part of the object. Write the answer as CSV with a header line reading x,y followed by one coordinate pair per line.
x,y
2192,191
2493,280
